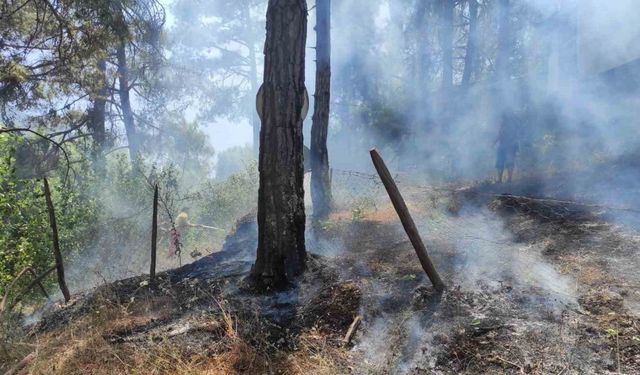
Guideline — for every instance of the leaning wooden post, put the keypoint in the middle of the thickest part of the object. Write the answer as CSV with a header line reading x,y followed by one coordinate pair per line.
x,y
56,243
407,221
154,234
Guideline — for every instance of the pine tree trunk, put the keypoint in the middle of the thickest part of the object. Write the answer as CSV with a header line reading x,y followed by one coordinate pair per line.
x,y
320,179
472,44
125,101
281,250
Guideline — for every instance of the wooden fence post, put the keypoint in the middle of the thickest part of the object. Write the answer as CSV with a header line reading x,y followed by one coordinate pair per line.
x,y
406,219
56,243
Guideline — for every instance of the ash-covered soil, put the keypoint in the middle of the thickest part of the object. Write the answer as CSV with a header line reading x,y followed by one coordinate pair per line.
x,y
534,287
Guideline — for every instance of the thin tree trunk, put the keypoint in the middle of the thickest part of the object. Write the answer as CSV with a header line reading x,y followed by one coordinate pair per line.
x,y
472,44
421,24
98,113
125,101
56,242
446,42
253,78
255,121
423,59
281,250
504,43
154,235
320,181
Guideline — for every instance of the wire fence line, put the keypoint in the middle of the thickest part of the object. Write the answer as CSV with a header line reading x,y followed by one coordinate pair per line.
x,y
360,191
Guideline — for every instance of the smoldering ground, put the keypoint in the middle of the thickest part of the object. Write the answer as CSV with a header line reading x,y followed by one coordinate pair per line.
x,y
492,277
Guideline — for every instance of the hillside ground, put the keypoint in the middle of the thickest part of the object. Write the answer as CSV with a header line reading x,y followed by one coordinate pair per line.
x,y
534,286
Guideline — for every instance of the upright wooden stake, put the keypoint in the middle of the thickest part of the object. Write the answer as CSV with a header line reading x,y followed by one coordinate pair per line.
x,y
407,221
154,234
56,243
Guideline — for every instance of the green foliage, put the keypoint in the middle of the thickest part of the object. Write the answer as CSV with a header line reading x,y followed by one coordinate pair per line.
x,y
225,201
13,72
25,237
217,81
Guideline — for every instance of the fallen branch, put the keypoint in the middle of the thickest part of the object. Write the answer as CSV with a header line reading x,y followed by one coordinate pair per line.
x,y
31,285
169,332
352,330
26,361
407,221
198,327
506,362
22,273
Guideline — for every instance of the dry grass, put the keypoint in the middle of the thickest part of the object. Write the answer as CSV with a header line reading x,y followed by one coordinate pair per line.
x,y
85,346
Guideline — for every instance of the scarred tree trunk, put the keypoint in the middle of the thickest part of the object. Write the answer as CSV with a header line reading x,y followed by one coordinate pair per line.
x,y
281,250
125,101
320,179
472,44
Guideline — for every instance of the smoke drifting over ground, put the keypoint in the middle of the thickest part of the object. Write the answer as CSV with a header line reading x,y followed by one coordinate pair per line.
x,y
485,252
568,114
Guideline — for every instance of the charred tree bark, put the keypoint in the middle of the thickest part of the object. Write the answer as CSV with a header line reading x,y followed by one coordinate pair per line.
x,y
281,250
56,242
446,43
320,179
125,101
472,44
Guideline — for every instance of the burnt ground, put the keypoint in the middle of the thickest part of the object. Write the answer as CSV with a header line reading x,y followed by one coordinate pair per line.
x,y
534,286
